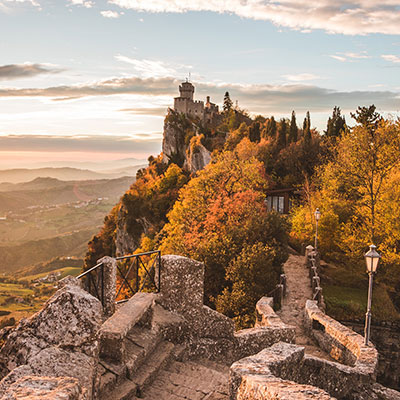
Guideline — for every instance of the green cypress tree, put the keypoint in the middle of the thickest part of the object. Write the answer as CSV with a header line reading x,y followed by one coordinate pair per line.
x,y
307,128
271,127
282,131
336,124
254,132
293,131
227,106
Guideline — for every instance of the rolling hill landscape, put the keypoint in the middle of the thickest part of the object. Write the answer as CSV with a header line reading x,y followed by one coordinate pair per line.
x,y
47,217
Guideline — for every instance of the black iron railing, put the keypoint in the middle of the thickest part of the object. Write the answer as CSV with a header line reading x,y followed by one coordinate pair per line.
x,y
140,272
313,264
94,281
134,273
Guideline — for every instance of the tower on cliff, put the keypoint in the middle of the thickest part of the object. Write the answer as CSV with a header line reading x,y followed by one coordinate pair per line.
x,y
186,89
186,105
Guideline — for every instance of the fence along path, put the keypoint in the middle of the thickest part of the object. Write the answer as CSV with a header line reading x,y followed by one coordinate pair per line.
x,y
293,304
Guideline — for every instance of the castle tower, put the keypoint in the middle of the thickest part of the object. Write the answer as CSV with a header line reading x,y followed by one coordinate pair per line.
x,y
186,90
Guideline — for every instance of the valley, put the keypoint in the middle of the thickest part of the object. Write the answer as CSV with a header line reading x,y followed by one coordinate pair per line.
x,y
45,225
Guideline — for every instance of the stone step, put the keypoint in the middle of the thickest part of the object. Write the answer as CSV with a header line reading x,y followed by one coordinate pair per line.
x,y
140,343
152,366
114,331
127,390
190,380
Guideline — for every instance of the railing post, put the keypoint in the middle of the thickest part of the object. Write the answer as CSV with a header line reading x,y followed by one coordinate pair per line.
x,y
278,296
137,274
109,284
283,282
159,271
102,285
315,283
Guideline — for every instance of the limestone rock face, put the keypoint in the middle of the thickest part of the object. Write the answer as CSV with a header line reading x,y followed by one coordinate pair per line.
x,y
44,388
124,242
173,144
197,158
59,340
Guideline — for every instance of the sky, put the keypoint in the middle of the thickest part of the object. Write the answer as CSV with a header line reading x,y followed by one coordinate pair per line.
x,y
92,79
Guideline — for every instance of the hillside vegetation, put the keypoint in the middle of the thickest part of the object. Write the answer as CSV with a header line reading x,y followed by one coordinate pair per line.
x,y
220,215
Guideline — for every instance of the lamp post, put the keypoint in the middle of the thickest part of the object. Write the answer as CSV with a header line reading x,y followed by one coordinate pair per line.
x,y
372,260
317,216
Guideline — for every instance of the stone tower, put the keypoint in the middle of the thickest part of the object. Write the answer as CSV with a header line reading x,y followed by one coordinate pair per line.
x,y
186,89
185,103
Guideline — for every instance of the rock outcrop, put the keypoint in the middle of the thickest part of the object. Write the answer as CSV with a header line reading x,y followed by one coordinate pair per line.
x,y
58,341
44,388
197,157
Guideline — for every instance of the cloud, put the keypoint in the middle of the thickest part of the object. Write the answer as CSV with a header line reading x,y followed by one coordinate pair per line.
x,y
349,56
391,57
6,5
110,14
93,143
301,77
154,68
16,71
113,86
83,3
350,17
150,111
256,98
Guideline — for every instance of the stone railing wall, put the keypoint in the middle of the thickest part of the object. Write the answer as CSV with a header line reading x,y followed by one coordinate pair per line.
x,y
340,342
272,375
283,372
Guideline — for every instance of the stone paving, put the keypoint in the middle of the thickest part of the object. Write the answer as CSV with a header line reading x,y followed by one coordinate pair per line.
x,y
292,311
194,380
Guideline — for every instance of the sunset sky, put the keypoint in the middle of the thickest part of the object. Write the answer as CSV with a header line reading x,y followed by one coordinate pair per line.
x,y
92,79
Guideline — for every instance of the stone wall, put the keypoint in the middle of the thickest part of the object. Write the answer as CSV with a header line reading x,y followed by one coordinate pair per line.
x,y
210,334
386,339
283,371
271,375
54,354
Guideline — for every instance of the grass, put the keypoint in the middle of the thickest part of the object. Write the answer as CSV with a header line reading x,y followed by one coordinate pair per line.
x,y
349,303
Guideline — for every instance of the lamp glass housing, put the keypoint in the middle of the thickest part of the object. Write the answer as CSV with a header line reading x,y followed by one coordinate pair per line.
x,y
317,214
372,259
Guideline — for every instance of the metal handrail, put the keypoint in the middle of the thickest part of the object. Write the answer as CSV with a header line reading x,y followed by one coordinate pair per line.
x,y
89,270
97,281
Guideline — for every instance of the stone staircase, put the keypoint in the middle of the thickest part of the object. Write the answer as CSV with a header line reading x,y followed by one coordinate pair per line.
x,y
137,361
194,380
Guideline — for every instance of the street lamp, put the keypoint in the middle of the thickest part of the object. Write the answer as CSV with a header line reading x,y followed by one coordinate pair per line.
x,y
372,260
317,216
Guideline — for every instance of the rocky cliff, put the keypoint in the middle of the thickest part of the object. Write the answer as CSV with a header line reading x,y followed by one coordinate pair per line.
x,y
183,142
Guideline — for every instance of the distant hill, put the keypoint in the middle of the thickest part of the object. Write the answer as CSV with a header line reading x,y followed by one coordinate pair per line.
x,y
16,257
50,266
51,191
64,174
98,166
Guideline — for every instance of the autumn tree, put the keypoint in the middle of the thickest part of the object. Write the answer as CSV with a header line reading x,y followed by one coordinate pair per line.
x,y
220,212
366,157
